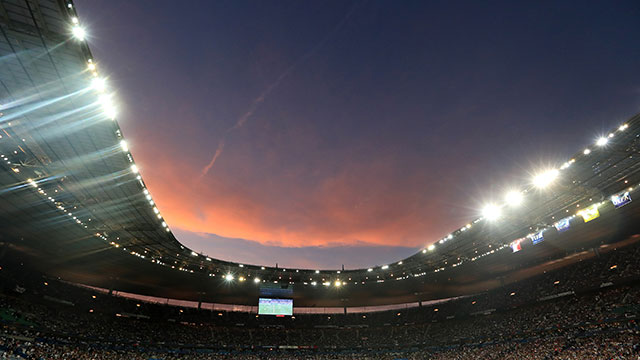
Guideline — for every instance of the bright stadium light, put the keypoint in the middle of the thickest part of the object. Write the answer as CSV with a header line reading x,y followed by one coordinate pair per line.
x,y
431,247
491,212
587,151
256,280
98,84
134,169
125,147
78,32
338,283
543,180
228,277
602,141
623,127
107,106
513,198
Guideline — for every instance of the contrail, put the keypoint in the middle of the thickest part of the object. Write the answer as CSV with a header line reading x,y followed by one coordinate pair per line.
x,y
206,169
260,99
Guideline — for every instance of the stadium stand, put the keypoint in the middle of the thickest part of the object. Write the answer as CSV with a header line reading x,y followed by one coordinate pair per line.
x,y
585,310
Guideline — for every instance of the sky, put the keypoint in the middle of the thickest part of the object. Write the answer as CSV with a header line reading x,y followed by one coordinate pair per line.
x,y
318,134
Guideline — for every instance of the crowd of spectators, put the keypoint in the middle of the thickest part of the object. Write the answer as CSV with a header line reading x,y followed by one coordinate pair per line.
x,y
587,310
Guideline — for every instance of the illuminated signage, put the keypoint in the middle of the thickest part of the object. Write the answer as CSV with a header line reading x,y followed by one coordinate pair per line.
x,y
590,213
562,225
621,199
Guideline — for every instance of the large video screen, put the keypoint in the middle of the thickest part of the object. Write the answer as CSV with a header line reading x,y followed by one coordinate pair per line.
x,y
275,306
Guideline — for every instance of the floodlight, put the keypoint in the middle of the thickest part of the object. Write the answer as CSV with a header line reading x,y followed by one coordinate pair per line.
x,y
99,84
256,280
623,127
134,169
107,106
431,247
602,141
228,277
543,180
587,151
513,198
338,283
125,147
491,212
78,32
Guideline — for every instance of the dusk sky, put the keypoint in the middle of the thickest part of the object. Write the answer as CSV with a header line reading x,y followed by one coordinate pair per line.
x,y
321,133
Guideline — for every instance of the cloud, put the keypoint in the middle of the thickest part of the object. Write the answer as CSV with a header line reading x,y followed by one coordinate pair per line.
x,y
360,204
309,257
215,157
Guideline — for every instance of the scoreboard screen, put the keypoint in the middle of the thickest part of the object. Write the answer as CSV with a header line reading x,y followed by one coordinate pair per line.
x,y
275,306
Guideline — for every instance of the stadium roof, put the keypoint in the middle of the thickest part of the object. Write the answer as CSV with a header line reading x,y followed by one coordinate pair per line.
x,y
71,196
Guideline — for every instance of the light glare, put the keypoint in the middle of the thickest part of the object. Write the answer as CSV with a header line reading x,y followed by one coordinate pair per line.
x,y
78,32
543,180
602,141
98,84
491,212
107,106
513,198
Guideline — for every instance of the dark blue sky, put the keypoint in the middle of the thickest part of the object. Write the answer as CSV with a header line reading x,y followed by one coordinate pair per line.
x,y
325,133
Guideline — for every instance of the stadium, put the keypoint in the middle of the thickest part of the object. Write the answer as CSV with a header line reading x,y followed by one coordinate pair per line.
x,y
90,269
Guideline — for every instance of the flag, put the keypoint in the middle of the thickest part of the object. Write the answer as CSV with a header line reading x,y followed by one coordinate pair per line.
x,y
590,213
563,225
620,200
516,245
537,237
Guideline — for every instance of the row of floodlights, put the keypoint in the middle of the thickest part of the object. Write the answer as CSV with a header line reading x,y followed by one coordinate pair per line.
x,y
514,198
229,278
542,180
98,84
106,101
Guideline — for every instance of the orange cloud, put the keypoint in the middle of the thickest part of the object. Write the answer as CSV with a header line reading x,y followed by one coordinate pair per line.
x,y
358,204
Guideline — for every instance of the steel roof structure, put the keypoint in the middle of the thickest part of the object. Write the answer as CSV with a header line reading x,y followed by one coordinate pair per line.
x,y
71,196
